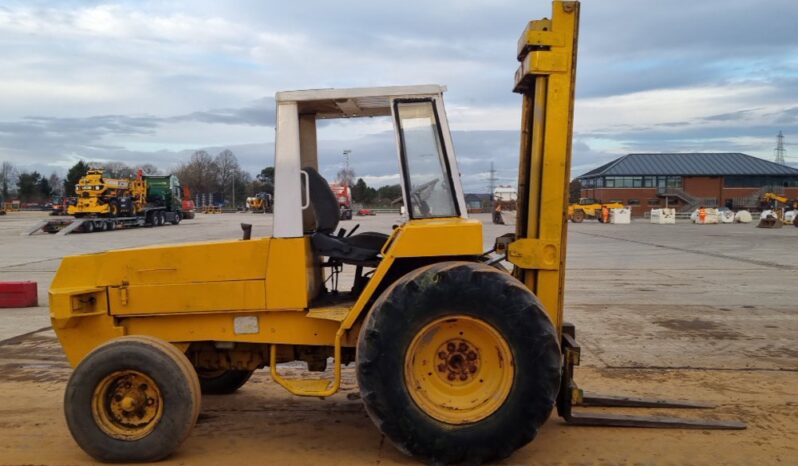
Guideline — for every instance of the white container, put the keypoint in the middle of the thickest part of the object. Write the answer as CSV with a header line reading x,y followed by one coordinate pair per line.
x,y
790,215
711,216
726,216
663,216
742,216
621,216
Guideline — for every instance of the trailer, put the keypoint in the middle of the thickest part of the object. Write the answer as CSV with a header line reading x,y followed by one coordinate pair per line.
x,y
107,204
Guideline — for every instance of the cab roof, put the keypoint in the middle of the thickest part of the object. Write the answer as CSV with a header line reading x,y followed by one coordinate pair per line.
x,y
354,102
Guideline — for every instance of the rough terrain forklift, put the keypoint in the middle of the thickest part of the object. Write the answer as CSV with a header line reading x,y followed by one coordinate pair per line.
x,y
456,359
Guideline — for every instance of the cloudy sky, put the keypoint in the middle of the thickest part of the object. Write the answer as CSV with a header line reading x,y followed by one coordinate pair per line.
x,y
151,81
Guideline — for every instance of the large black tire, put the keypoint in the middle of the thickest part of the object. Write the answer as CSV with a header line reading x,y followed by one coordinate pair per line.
x,y
222,383
113,208
436,293
176,219
88,227
176,385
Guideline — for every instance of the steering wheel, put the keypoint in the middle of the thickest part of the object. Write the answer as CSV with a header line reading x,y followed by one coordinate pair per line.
x,y
420,195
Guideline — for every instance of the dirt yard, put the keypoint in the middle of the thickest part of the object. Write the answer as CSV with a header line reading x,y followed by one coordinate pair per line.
x,y
705,313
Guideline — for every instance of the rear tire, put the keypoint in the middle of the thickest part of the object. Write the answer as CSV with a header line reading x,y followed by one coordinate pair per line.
x,y
222,382
578,216
88,227
424,397
133,399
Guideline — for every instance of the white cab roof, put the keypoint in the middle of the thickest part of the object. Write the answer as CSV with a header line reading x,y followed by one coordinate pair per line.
x,y
354,102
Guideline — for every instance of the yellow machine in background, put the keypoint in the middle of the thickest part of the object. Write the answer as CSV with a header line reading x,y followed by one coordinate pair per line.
x,y
588,208
780,212
100,196
457,360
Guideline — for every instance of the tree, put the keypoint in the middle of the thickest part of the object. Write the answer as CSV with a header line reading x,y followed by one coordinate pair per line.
x,y
8,175
43,188
27,184
114,169
387,194
73,176
149,169
345,176
266,175
227,173
574,191
56,184
199,173
359,191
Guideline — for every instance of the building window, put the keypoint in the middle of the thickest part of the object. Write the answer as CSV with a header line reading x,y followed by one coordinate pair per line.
x,y
654,201
674,181
649,181
759,181
609,181
611,201
633,202
600,182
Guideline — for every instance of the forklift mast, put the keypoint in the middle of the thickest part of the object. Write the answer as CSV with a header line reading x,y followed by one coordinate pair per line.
x,y
545,79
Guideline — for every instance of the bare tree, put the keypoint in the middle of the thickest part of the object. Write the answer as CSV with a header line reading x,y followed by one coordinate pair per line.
x,y
149,169
199,173
8,178
228,174
345,176
56,184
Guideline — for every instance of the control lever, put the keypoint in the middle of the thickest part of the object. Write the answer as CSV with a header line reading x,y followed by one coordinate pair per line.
x,y
246,228
354,229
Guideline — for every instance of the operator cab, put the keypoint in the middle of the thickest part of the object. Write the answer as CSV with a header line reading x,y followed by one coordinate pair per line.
x,y
304,203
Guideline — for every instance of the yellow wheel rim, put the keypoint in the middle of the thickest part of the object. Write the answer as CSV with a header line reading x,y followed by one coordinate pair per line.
x,y
127,405
459,369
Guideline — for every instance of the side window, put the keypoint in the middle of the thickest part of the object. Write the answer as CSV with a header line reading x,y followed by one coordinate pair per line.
x,y
427,177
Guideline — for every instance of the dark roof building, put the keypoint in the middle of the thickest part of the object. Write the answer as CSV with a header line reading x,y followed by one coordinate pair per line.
x,y
691,164
687,180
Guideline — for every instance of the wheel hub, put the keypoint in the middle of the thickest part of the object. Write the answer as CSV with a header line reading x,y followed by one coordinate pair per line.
x,y
459,360
127,405
459,369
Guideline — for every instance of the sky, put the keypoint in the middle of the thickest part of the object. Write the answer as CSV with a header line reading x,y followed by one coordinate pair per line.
x,y
152,81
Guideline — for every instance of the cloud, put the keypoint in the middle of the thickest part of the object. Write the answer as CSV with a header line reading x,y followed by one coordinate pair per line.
x,y
154,80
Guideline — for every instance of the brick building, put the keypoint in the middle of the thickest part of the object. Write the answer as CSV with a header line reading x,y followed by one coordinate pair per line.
x,y
686,181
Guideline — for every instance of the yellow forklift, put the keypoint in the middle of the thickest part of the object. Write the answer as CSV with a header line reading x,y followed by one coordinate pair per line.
x,y
456,359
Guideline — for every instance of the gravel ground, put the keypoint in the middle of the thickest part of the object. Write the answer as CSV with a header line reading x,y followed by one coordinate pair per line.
x,y
701,312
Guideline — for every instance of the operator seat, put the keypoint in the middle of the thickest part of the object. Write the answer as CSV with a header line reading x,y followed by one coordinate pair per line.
x,y
355,249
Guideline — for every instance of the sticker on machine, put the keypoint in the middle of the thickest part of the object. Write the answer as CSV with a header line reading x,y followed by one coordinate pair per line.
x,y
245,325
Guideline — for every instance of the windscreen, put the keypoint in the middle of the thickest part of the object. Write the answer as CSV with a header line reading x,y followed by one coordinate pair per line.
x,y
427,177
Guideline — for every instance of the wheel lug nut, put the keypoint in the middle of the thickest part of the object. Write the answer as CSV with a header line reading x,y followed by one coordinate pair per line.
x,y
472,355
441,367
463,347
463,376
450,347
472,368
442,355
451,376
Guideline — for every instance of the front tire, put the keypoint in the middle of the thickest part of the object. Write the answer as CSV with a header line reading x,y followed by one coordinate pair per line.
x,y
133,399
458,362
578,217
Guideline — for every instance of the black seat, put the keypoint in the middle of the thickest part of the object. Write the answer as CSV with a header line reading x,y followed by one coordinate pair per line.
x,y
355,249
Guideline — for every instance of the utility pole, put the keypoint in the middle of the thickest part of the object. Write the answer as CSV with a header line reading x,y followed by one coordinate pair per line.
x,y
780,149
234,191
491,181
347,152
